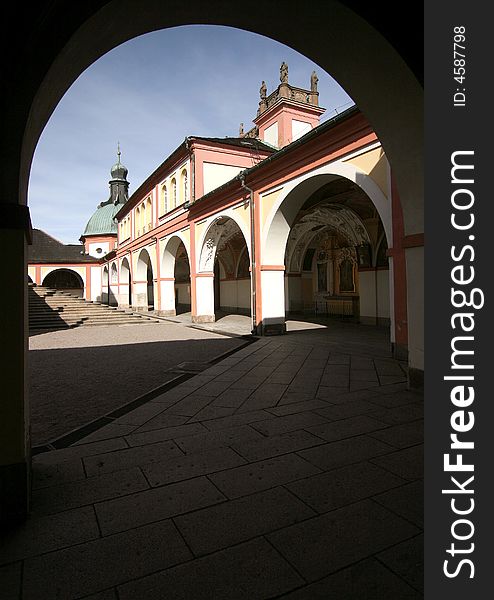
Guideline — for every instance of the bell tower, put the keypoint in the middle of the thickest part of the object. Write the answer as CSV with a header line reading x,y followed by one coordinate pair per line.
x,y
288,112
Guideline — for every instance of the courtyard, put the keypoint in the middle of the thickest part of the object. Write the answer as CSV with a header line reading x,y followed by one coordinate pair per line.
x,y
286,466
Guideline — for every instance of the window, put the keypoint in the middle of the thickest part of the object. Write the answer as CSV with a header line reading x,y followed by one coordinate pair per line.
x,y
174,193
164,200
185,190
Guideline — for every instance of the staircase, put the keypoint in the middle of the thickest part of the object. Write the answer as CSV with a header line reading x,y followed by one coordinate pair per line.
x,y
56,309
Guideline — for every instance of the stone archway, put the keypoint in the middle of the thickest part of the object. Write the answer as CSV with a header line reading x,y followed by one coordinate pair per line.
x,y
143,284
125,289
175,277
65,280
370,69
219,288
324,221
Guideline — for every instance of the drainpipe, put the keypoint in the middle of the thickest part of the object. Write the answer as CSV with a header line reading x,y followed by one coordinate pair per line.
x,y
192,193
252,253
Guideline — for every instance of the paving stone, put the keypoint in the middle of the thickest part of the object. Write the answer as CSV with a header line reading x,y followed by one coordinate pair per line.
x,y
232,399
358,375
94,489
407,560
266,395
106,595
161,421
10,581
361,362
278,376
259,449
81,450
236,420
362,385
366,580
407,463
338,430
338,359
406,501
344,452
238,520
156,504
140,415
399,414
280,425
44,475
296,407
112,430
325,392
388,367
106,562
343,486
172,396
213,388
159,435
217,439
190,405
295,398
387,379
325,544
230,375
212,412
262,475
401,436
345,410
250,570
192,465
130,457
38,535
390,400
346,396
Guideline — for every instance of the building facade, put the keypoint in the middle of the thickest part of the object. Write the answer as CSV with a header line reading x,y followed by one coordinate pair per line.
x,y
293,216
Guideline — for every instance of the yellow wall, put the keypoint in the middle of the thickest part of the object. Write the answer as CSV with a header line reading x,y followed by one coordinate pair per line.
x,y
267,203
375,164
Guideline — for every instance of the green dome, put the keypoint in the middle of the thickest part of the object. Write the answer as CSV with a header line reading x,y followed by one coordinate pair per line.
x,y
101,223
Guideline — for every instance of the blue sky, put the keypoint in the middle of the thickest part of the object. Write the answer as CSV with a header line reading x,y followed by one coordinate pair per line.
x,y
149,94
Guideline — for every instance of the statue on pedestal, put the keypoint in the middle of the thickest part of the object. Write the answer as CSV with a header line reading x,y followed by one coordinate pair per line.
x,y
284,72
313,82
263,90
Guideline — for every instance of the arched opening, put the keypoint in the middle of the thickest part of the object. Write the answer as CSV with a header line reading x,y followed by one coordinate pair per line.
x,y
125,284
65,280
105,286
224,258
113,297
333,233
175,278
143,286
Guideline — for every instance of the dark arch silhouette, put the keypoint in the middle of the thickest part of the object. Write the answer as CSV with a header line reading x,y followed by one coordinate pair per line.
x,y
64,279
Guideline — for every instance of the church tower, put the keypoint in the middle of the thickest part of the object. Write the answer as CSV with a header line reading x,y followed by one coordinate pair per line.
x,y
100,234
287,113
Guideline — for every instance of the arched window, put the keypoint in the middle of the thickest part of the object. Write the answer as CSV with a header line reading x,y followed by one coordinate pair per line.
x,y
149,214
185,186
164,200
174,193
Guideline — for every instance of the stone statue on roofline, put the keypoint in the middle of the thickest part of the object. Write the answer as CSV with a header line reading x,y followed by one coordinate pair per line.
x,y
263,91
284,72
241,130
313,82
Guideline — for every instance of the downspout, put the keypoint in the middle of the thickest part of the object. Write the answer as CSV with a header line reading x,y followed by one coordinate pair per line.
x,y
252,253
192,171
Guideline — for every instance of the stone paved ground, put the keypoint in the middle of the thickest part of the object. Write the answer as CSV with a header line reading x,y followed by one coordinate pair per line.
x,y
293,468
62,395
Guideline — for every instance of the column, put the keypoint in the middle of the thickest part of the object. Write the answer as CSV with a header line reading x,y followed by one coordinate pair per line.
x,y
204,298
273,299
167,297
15,460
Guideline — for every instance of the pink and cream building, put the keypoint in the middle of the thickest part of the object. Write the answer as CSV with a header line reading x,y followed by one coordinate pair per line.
x,y
293,216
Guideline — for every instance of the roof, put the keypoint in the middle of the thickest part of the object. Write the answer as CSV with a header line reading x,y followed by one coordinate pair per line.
x,y
101,222
241,142
49,250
